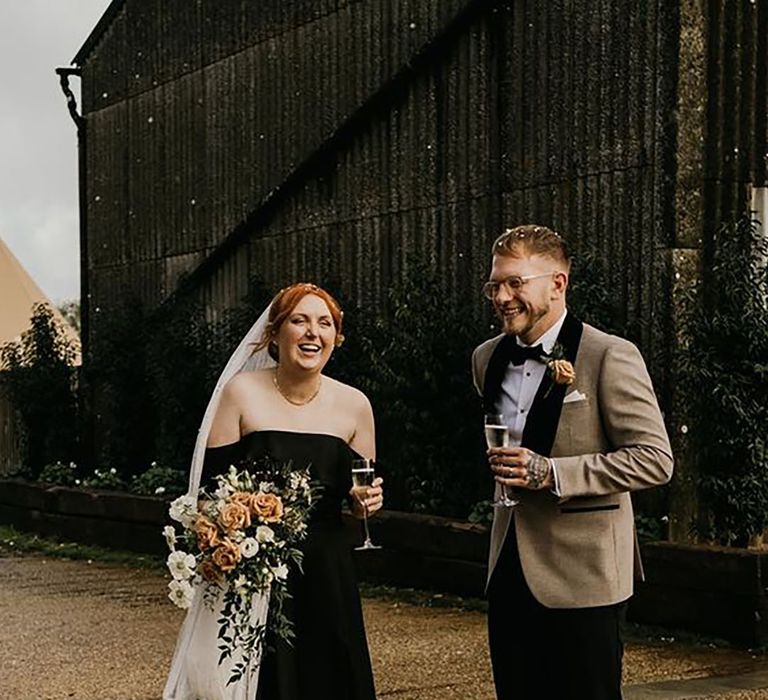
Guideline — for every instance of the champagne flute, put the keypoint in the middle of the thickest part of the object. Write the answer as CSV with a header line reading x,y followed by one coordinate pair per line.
x,y
363,472
497,435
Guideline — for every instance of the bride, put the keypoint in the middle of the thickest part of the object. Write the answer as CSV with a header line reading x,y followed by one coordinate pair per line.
x,y
273,400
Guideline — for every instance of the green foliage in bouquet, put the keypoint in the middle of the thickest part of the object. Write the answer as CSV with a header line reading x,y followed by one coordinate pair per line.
x,y
39,380
723,370
241,542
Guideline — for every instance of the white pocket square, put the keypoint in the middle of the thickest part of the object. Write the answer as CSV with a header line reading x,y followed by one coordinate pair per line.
x,y
574,396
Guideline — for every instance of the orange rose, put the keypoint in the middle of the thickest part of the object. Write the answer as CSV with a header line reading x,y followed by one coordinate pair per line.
x,y
241,497
234,516
226,555
210,571
562,372
268,507
207,533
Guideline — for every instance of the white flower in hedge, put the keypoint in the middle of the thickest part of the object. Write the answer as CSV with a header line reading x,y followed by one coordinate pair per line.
x,y
113,471
280,572
264,533
181,565
160,490
249,547
170,537
183,510
181,593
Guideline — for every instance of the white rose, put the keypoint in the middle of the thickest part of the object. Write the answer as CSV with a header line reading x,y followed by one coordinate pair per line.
x,y
170,537
181,593
264,533
183,510
249,547
280,572
181,565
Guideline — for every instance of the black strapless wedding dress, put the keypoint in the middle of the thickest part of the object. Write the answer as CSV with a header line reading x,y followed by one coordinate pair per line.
x,y
328,658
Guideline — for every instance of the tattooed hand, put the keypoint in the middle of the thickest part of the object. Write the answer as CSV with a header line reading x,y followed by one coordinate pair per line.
x,y
520,468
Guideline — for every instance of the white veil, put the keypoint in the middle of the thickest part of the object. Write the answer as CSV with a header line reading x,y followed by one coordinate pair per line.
x,y
195,673
243,359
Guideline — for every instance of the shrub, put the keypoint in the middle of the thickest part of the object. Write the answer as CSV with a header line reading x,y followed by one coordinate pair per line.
x,y
106,478
40,381
60,474
160,481
723,370
412,359
153,374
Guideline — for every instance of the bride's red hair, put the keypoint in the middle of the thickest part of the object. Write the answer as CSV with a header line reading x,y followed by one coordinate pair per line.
x,y
285,302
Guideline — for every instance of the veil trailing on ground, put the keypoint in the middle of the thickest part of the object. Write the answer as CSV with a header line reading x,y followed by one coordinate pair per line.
x,y
195,672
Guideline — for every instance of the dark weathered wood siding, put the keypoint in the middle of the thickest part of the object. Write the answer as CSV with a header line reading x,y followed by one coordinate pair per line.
x,y
736,139
330,140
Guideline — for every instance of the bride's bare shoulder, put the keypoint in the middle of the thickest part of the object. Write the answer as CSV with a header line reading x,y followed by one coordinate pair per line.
x,y
348,395
247,382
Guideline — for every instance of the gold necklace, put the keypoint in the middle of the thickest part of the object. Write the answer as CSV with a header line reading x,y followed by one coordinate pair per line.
x,y
292,401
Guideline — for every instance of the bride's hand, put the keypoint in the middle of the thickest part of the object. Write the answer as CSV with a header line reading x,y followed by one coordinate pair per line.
x,y
371,497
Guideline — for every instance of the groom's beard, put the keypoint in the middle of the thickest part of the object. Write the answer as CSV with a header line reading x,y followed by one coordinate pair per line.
x,y
524,321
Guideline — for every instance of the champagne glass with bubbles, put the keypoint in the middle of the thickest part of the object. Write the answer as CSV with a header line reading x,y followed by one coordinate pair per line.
x,y
497,435
363,473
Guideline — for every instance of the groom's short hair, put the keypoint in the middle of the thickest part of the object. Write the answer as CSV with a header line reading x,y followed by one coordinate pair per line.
x,y
532,239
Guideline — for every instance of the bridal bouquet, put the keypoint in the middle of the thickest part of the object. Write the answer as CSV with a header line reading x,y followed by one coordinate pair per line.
x,y
239,542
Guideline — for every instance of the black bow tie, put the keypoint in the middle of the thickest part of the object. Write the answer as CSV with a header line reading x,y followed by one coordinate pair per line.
x,y
519,353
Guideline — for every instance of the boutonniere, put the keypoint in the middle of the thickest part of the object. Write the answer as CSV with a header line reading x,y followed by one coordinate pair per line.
x,y
559,369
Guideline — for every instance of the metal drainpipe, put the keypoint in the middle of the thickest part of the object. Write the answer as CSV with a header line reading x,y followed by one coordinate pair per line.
x,y
86,441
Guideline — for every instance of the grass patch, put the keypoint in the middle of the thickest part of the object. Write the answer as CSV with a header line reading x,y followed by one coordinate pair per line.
x,y
14,542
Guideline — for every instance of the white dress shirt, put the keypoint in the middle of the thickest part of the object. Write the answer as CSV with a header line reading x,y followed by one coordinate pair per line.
x,y
519,387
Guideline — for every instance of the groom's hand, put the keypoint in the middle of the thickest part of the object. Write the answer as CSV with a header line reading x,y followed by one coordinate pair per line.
x,y
520,468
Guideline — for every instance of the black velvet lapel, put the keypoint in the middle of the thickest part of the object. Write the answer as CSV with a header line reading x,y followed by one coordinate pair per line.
x,y
541,425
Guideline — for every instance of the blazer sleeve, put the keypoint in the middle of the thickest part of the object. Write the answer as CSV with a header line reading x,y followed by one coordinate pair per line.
x,y
640,454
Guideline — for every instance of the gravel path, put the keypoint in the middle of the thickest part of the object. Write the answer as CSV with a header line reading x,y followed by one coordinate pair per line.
x,y
103,632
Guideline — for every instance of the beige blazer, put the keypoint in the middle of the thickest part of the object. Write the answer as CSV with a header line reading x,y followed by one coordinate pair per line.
x,y
580,550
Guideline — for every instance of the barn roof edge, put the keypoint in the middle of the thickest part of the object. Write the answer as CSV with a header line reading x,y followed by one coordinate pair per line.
x,y
98,31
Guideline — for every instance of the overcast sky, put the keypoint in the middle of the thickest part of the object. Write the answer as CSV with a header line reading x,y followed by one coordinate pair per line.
x,y
38,143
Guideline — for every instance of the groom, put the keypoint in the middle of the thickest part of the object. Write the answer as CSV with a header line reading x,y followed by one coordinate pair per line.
x,y
585,429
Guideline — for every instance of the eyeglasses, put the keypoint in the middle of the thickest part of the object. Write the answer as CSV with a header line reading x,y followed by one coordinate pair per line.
x,y
514,284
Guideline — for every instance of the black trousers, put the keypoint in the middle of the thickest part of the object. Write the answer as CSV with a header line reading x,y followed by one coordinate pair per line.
x,y
545,653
